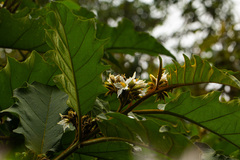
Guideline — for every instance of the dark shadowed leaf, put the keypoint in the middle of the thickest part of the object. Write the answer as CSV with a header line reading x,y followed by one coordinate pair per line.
x,y
38,108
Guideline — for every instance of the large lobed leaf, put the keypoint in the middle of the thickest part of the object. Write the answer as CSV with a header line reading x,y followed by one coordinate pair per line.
x,y
77,52
146,132
15,73
38,107
206,111
198,71
124,39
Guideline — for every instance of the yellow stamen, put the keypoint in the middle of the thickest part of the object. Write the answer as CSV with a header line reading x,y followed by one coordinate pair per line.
x,y
123,84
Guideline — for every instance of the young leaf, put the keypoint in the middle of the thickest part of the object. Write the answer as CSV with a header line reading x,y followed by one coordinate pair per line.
x,y
15,73
206,111
38,107
124,39
146,132
78,54
198,71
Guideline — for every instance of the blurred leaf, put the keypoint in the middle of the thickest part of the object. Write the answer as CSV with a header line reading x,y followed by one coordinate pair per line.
x,y
146,132
210,154
218,144
15,73
124,39
141,153
208,42
198,71
77,53
78,10
38,107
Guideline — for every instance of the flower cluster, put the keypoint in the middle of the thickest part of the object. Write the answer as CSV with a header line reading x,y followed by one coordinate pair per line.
x,y
162,83
130,88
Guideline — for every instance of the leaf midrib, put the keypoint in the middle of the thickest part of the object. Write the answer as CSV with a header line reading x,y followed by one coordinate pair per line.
x,y
45,126
74,77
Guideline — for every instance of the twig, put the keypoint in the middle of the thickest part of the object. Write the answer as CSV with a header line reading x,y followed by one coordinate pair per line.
x,y
68,151
108,139
159,72
130,108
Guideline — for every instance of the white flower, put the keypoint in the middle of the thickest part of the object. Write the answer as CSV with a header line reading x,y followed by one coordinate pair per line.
x,y
143,92
140,83
164,76
123,84
64,122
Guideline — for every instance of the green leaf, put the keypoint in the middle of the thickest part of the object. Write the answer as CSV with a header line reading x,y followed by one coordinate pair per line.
x,y
15,73
174,123
124,39
198,71
206,111
30,31
25,33
78,10
146,132
108,150
105,150
38,107
78,54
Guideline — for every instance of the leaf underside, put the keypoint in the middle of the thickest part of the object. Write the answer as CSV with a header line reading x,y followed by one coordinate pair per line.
x,y
78,54
38,107
198,71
